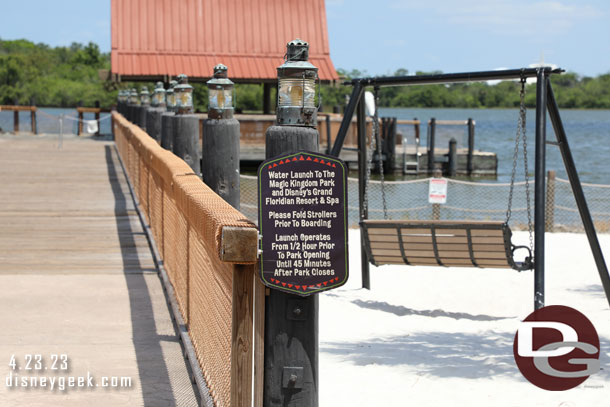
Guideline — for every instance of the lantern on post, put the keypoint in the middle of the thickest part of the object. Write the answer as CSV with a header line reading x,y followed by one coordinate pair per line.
x,y
144,96
170,96
184,95
220,94
133,97
297,87
158,97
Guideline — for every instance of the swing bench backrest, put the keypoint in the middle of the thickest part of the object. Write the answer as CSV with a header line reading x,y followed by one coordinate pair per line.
x,y
441,243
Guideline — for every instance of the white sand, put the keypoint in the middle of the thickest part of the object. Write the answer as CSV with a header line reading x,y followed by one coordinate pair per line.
x,y
433,336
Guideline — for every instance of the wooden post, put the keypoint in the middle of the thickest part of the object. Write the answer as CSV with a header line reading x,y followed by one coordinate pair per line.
x,y
33,120
242,310
267,98
291,321
452,162
431,134
328,138
80,123
97,117
185,143
550,202
389,145
220,158
416,129
16,121
436,211
470,164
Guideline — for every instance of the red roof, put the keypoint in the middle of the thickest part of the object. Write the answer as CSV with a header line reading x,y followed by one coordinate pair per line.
x,y
158,38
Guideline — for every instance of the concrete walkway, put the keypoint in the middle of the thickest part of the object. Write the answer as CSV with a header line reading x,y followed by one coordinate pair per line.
x,y
77,278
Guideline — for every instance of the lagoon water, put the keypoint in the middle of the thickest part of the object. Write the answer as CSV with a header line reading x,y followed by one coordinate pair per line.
x,y
47,120
588,133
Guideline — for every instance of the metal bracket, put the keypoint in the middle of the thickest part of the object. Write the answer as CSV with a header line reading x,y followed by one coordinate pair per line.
x,y
259,250
292,377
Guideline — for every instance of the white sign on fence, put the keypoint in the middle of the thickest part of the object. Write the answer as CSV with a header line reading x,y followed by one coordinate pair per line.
x,y
437,191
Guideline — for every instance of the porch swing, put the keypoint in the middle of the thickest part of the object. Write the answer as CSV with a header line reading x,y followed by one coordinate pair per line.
x,y
485,244
469,243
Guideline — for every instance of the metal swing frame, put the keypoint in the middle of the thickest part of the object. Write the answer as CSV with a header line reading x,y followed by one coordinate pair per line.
x,y
545,102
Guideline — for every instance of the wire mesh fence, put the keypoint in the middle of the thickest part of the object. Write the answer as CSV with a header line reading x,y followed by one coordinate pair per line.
x,y
466,201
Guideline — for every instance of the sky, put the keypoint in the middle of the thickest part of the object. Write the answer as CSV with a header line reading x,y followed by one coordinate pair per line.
x,y
378,37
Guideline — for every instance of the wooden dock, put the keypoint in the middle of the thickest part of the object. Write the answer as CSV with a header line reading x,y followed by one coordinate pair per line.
x,y
77,278
485,163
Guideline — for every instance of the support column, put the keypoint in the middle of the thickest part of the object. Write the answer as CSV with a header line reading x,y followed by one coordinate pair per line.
x,y
185,143
362,185
539,194
291,321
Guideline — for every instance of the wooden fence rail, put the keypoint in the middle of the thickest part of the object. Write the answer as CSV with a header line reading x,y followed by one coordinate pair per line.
x,y
209,251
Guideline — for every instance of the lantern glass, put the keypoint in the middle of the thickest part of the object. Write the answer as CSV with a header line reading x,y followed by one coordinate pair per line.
x,y
297,92
145,99
133,98
171,99
184,99
159,98
220,98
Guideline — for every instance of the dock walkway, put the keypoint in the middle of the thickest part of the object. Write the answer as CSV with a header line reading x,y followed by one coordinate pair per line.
x,y
77,278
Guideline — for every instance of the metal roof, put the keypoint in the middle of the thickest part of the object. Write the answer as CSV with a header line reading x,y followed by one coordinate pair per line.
x,y
159,38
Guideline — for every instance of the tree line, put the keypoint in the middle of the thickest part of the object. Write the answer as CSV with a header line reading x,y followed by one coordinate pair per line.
x,y
68,76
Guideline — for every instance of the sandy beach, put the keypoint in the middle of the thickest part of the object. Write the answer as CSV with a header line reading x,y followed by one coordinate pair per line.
x,y
433,336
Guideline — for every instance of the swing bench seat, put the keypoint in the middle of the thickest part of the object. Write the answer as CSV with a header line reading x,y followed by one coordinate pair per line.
x,y
442,243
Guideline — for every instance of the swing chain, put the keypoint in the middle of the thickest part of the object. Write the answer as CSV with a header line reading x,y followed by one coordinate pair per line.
x,y
367,182
374,147
521,134
377,137
530,224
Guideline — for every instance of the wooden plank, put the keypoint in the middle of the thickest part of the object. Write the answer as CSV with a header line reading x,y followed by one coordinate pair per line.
x,y
382,231
13,108
438,223
382,252
239,245
389,260
489,255
383,238
464,239
487,232
242,335
259,341
424,261
385,245
490,262
454,254
488,247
